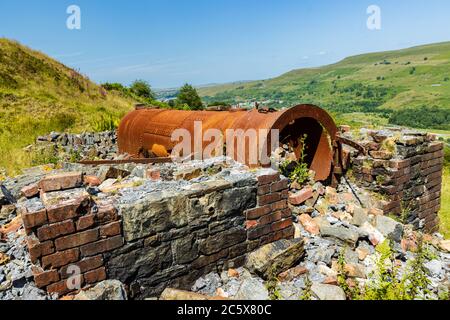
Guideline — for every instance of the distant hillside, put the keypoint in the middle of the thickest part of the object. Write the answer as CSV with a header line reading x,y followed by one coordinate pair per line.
x,y
39,95
382,82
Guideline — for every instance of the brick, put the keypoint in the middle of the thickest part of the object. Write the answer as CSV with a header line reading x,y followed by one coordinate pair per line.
x,y
286,213
237,250
76,240
258,232
67,210
61,287
55,230
33,219
95,275
60,259
85,222
283,224
383,155
403,179
203,261
435,146
268,199
436,162
399,164
389,205
270,218
438,154
280,185
111,229
250,224
265,189
266,179
433,169
85,265
284,194
288,233
429,196
92,181
106,213
61,181
437,182
101,246
30,191
309,224
255,213
279,205
416,160
376,212
153,174
43,278
301,196
38,249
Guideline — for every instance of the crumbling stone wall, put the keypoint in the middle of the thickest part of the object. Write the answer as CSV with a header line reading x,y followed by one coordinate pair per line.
x,y
405,168
88,145
173,238
155,233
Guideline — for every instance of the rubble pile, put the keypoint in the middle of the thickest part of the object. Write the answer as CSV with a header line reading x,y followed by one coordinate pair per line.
x,y
146,225
88,145
332,223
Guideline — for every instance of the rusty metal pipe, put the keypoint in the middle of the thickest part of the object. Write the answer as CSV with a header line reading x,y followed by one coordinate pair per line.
x,y
148,131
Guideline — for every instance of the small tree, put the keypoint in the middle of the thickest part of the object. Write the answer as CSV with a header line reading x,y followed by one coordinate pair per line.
x,y
142,89
188,95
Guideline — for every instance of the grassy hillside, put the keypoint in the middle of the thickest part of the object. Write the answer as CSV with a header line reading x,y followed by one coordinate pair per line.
x,y
39,95
384,83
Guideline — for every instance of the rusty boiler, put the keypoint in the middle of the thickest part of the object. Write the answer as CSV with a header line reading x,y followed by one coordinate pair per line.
x,y
147,132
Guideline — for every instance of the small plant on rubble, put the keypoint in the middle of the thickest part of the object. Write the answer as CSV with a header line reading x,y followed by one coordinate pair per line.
x,y
387,285
351,293
272,285
389,145
44,156
300,172
384,284
416,280
307,292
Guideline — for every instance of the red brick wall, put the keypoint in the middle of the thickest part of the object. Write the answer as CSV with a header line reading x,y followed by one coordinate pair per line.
x,y
411,184
271,220
72,233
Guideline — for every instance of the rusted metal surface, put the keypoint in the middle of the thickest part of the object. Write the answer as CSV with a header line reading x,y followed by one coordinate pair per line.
x,y
147,132
352,144
132,160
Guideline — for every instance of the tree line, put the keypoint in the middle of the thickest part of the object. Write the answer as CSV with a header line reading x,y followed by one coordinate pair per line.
x,y
141,91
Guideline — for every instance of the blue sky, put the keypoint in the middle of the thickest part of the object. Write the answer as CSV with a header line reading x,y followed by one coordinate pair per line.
x,y
170,42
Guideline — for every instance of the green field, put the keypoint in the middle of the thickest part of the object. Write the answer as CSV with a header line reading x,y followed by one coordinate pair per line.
x,y
383,83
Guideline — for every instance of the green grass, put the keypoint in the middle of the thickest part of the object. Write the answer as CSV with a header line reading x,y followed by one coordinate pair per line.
x,y
39,95
444,214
